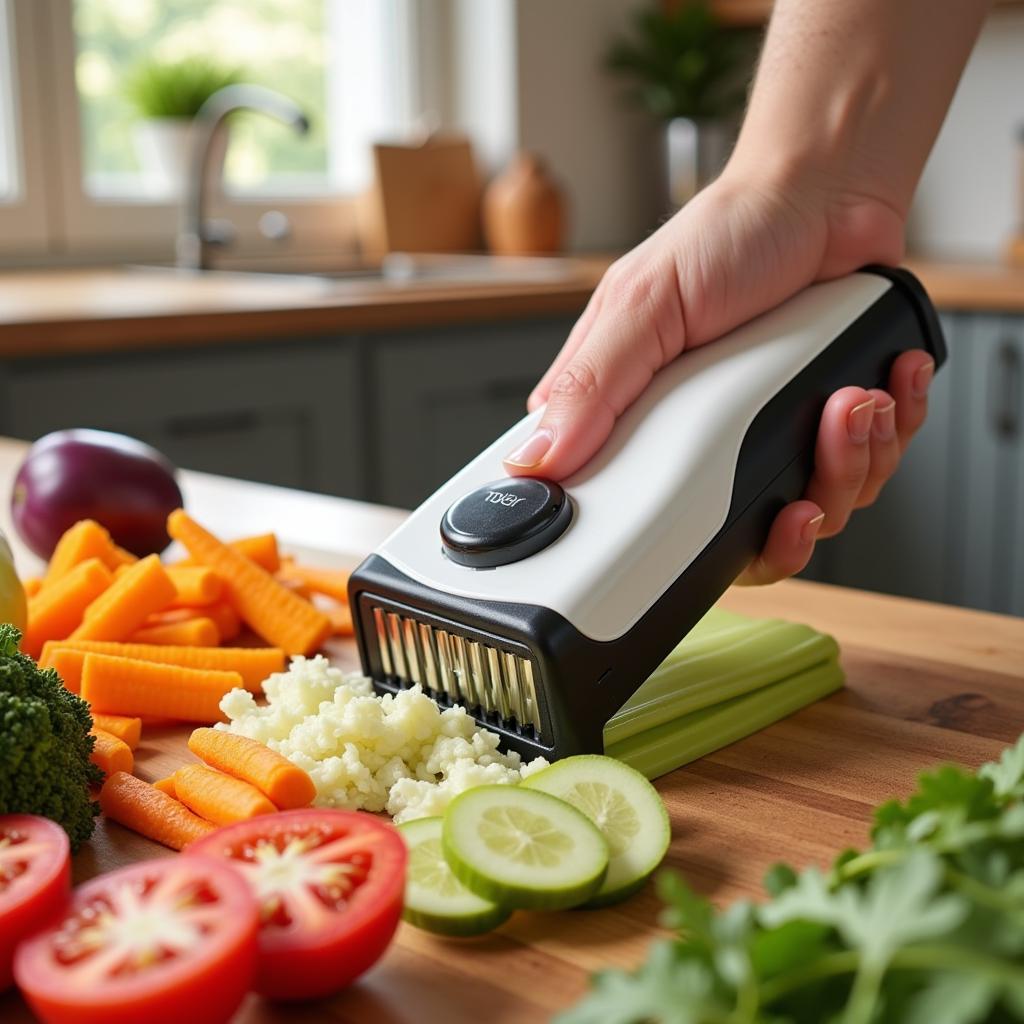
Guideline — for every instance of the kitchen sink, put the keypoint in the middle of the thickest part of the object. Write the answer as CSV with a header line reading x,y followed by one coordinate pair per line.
x,y
402,270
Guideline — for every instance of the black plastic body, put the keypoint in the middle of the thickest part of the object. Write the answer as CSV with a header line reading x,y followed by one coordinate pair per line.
x,y
581,682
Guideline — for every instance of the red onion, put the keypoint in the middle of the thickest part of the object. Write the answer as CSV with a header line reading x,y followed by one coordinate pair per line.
x,y
125,485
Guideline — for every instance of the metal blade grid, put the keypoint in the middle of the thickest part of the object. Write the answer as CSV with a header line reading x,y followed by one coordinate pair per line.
x,y
455,669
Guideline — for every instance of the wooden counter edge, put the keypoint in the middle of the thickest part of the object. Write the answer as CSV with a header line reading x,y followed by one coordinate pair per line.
x,y
954,287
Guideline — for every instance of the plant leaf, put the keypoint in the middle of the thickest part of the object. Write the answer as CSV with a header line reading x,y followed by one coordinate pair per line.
x,y
953,999
900,905
664,989
1007,774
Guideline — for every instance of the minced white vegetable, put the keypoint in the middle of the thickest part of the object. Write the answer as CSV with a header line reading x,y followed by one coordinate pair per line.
x,y
401,753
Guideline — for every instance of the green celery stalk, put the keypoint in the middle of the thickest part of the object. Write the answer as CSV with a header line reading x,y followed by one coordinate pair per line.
x,y
723,657
665,747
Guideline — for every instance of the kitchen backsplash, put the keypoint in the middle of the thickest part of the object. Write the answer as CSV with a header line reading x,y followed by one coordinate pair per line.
x,y
968,202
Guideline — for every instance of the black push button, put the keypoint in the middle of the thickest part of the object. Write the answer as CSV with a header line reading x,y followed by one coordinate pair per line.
x,y
505,521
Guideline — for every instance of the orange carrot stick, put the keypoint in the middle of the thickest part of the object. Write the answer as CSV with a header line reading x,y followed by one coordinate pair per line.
x,y
142,589
226,619
341,620
128,730
121,686
144,809
261,549
110,753
85,540
197,632
196,585
295,587
217,797
124,557
278,615
253,664
32,585
58,609
328,582
67,664
166,786
284,783
171,615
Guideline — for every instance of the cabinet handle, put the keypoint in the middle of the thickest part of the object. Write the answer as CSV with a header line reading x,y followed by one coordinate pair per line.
x,y
211,423
1007,373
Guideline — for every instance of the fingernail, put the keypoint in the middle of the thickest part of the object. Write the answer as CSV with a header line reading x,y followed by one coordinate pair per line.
x,y
884,424
923,378
811,528
532,450
858,423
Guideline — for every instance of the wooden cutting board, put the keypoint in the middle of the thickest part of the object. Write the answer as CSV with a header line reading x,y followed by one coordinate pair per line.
x,y
423,198
925,683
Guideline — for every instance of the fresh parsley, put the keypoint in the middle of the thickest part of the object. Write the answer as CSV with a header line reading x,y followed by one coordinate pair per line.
x,y
925,927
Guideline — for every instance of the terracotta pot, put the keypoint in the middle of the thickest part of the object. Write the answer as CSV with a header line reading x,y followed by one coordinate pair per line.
x,y
524,210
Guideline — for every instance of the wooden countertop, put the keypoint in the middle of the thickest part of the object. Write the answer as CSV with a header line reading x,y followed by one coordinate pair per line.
x,y
54,312
59,312
926,683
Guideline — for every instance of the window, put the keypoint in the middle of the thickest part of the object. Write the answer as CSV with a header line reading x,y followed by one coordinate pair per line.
x,y
76,176
281,44
8,165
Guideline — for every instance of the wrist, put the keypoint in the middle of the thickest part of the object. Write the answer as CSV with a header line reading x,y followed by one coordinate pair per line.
x,y
858,224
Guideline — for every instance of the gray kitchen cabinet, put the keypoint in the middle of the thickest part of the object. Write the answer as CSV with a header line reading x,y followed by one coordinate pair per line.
x,y
285,414
988,463
439,397
902,544
950,525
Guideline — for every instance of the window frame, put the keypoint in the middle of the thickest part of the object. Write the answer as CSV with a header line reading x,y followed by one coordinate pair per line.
x,y
25,219
57,217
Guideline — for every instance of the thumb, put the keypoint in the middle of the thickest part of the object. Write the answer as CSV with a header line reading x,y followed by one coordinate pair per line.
x,y
628,342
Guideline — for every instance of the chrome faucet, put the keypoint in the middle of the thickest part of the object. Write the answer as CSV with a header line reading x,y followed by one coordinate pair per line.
x,y
194,236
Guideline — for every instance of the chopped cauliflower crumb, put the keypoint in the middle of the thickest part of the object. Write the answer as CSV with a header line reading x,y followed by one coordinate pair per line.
x,y
400,753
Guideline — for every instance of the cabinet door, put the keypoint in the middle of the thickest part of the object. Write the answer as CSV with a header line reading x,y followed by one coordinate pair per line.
x,y
988,491
440,397
283,414
903,544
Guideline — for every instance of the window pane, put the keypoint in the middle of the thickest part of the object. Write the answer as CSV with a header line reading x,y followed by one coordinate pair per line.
x,y
8,154
281,44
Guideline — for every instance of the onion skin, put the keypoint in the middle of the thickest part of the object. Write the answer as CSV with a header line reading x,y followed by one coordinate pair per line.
x,y
123,484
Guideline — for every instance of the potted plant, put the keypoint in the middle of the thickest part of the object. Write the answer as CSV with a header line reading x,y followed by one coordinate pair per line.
x,y
691,72
167,96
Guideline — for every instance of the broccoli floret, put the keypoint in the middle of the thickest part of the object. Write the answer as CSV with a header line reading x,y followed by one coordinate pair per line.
x,y
44,744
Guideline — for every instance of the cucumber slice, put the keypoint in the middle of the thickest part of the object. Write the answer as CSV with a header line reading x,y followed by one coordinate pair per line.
x,y
623,805
434,898
523,848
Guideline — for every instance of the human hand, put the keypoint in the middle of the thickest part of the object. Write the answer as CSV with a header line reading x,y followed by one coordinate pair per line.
x,y
742,246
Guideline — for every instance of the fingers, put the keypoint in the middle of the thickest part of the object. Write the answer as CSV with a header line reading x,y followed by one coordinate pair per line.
x,y
789,546
634,330
860,442
842,457
580,330
909,380
884,447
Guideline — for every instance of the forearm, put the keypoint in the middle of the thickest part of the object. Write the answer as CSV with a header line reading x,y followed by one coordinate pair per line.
x,y
850,94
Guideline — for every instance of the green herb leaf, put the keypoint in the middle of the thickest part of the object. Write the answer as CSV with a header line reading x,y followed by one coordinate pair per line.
x,y
953,999
1007,774
927,927
665,989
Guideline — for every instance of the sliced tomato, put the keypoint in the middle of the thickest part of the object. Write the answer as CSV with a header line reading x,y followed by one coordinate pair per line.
x,y
35,879
169,941
329,884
